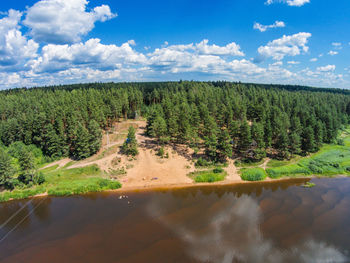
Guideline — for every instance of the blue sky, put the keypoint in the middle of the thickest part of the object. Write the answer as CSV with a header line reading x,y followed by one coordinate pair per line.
x,y
46,42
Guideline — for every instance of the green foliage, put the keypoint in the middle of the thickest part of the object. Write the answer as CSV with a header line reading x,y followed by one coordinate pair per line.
x,y
253,174
130,145
309,185
201,162
208,176
67,120
218,170
7,170
161,152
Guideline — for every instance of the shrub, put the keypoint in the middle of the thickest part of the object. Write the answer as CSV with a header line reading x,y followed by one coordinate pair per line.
x,y
202,162
253,174
218,170
161,152
209,177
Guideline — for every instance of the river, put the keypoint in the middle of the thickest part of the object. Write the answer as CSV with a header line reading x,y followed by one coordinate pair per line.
x,y
260,222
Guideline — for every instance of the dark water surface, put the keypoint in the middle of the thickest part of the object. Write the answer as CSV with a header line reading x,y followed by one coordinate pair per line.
x,y
269,222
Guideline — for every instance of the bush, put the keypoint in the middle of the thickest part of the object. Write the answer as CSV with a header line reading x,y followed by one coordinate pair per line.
x,y
161,152
209,177
218,170
315,169
253,174
202,163
39,179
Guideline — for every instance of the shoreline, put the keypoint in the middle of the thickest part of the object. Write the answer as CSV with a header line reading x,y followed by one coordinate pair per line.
x,y
150,188
166,187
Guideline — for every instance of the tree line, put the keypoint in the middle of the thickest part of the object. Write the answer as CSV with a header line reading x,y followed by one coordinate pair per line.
x,y
223,118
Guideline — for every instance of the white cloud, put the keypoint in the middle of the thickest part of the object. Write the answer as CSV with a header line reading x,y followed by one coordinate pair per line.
x,y
62,21
89,54
263,28
313,60
15,49
332,53
293,62
286,46
231,49
327,68
337,45
288,2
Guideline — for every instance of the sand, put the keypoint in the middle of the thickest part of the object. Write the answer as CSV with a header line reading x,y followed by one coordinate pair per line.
x,y
147,170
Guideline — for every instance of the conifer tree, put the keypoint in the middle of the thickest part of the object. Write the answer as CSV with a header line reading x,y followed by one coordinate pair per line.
x,y
224,145
7,170
130,145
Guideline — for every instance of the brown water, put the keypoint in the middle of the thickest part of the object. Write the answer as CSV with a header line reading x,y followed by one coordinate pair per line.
x,y
269,222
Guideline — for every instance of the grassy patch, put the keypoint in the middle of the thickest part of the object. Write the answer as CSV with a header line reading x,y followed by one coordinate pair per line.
x,y
309,185
203,163
210,176
248,163
62,182
329,161
253,174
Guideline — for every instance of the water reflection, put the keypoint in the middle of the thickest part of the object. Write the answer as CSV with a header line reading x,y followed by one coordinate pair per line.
x,y
228,229
270,222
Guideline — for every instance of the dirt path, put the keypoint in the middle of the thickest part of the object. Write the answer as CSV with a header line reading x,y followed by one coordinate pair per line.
x,y
60,163
232,172
264,165
148,170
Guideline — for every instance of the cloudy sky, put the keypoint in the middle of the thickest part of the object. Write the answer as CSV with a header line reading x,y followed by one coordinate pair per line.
x,y
305,42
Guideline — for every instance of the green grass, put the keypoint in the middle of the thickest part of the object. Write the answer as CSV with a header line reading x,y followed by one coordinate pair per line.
x,y
253,174
309,185
63,182
329,161
210,176
247,164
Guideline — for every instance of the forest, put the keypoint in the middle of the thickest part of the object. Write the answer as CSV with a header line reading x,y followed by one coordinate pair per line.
x,y
221,120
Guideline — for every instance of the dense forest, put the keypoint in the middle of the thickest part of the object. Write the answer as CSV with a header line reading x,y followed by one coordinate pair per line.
x,y
222,119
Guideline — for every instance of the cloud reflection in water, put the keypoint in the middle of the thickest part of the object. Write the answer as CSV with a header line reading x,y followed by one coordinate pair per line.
x,y
228,230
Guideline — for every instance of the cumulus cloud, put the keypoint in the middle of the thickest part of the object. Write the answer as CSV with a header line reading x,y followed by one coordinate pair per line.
x,y
263,28
288,2
89,54
333,53
327,68
293,62
313,59
61,21
292,45
337,45
15,49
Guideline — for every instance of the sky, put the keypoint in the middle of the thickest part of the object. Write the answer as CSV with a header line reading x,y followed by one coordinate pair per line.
x,y
49,42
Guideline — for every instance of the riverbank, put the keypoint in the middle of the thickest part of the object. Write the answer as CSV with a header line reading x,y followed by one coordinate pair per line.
x,y
110,170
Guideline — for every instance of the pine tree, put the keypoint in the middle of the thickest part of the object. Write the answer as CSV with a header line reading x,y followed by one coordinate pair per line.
x,y
210,142
268,134
81,147
295,142
27,166
130,145
95,136
282,144
258,135
158,128
308,139
245,137
7,170
224,146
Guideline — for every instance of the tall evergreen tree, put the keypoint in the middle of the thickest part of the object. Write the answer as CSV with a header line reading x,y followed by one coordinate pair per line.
x,y
224,145
130,145
7,170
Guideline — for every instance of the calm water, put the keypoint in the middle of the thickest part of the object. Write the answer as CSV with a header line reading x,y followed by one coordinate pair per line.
x,y
270,222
